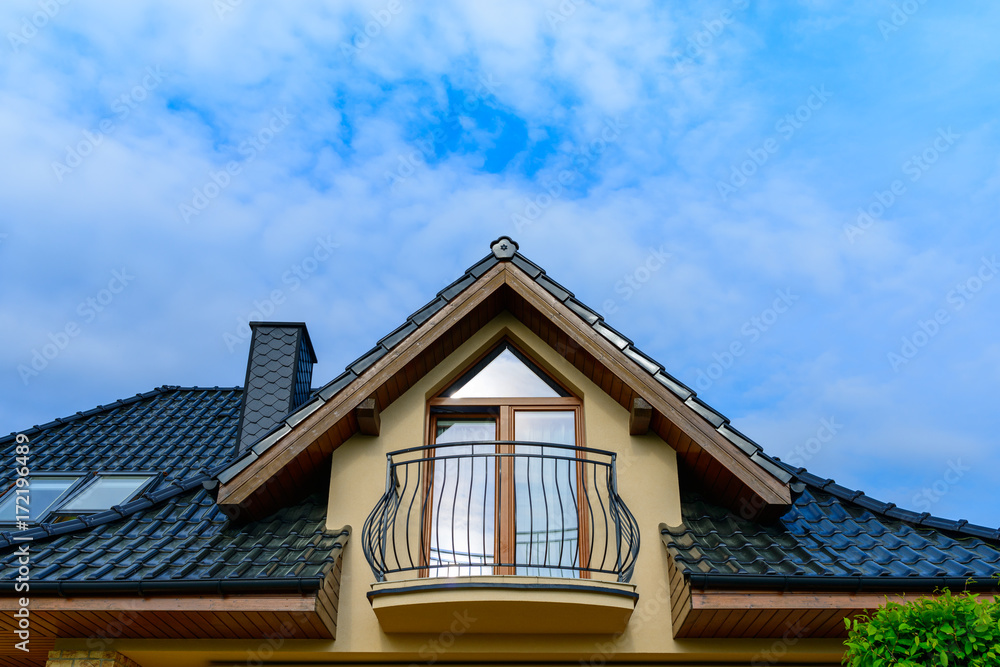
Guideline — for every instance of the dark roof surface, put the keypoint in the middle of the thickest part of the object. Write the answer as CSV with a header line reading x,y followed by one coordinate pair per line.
x,y
187,538
173,534
824,535
171,430
508,252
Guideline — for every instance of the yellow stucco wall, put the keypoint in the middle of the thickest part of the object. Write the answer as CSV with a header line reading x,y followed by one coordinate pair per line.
x,y
648,483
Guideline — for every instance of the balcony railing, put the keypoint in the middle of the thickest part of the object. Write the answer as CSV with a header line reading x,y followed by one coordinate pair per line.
x,y
497,507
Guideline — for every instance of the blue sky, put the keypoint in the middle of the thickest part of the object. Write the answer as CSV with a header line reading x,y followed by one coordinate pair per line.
x,y
792,206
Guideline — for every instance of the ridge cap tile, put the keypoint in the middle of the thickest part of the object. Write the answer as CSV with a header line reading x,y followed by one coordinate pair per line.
x,y
553,288
482,266
526,265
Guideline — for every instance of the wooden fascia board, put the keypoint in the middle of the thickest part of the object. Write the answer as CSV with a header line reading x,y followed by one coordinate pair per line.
x,y
756,600
313,427
770,489
736,613
181,617
195,603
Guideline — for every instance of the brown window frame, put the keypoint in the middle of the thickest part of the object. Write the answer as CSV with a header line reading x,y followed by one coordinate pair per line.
x,y
502,410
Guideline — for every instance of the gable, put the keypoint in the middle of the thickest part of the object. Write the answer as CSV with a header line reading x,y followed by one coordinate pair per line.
x,y
296,455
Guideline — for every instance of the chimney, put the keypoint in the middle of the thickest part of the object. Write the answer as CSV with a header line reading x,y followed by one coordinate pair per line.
x,y
279,374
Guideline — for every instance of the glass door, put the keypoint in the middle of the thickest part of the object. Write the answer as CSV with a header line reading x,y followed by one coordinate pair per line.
x,y
462,530
546,493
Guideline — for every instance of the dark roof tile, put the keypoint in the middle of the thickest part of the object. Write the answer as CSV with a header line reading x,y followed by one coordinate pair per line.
x,y
336,385
706,411
398,335
823,535
616,339
457,287
748,446
484,265
428,311
588,315
647,363
673,384
553,288
366,360
526,265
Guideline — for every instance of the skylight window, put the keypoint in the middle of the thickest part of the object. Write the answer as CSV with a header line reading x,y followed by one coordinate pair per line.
x,y
54,497
104,493
43,492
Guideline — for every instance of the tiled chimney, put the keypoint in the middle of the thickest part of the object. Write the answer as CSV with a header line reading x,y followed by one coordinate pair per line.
x,y
279,374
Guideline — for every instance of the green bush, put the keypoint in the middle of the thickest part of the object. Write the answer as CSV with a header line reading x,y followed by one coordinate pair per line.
x,y
949,630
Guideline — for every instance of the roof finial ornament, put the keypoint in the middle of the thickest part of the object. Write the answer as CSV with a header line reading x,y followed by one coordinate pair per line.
x,y
504,248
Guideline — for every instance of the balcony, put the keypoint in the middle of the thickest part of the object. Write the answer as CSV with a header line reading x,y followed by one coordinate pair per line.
x,y
525,536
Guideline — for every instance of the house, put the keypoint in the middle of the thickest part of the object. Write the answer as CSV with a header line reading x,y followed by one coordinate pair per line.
x,y
502,479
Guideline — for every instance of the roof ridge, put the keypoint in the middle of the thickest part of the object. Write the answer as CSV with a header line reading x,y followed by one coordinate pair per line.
x,y
721,423
501,252
107,407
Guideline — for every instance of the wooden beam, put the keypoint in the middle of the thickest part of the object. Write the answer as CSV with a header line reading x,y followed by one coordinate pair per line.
x,y
368,417
639,417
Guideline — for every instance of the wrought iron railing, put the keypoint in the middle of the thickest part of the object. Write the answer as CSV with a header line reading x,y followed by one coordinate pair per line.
x,y
499,507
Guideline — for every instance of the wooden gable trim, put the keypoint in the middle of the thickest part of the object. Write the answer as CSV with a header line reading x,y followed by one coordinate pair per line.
x,y
272,478
337,413
768,492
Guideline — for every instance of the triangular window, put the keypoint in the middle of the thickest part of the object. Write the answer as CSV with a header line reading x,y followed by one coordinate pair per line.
x,y
505,373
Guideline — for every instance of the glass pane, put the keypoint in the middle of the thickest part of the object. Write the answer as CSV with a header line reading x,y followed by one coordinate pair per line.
x,y
463,511
546,518
106,492
505,377
43,493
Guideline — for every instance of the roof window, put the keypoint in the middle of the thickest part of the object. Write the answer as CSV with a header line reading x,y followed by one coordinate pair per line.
x,y
54,497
